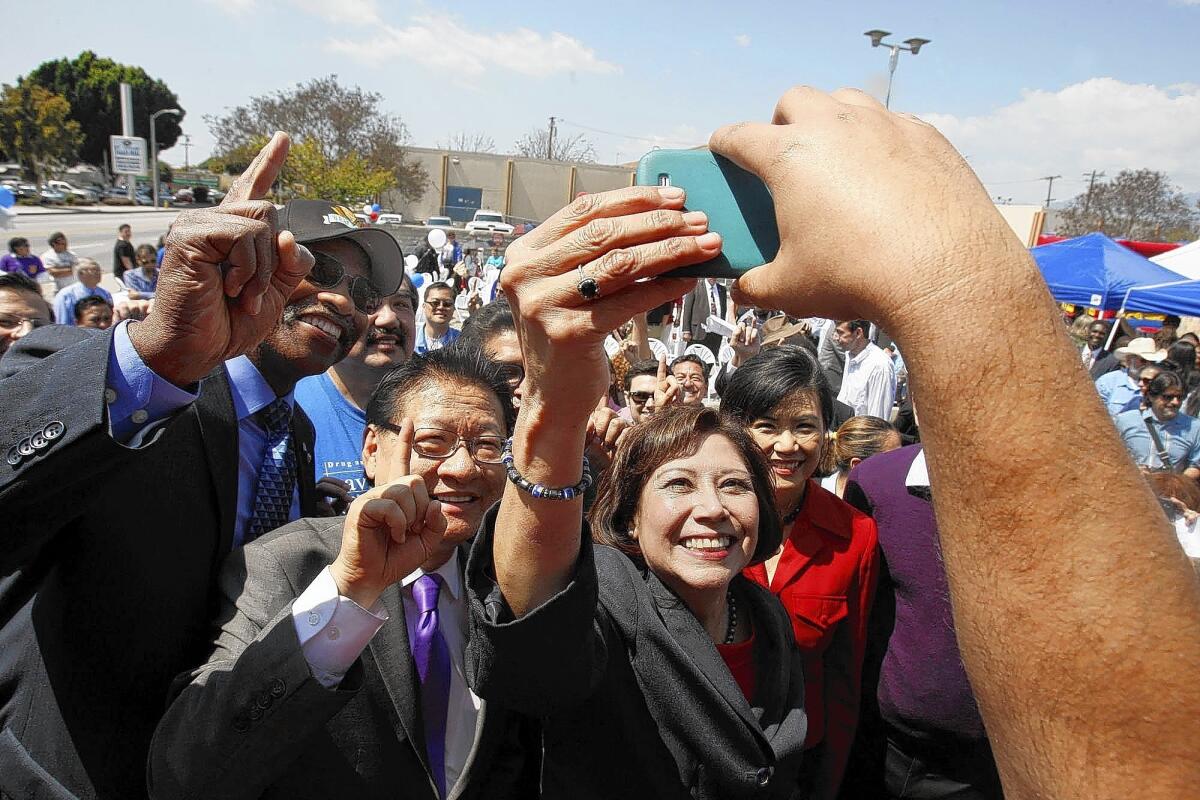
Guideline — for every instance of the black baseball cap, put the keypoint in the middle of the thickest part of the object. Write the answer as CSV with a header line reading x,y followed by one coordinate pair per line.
x,y
319,221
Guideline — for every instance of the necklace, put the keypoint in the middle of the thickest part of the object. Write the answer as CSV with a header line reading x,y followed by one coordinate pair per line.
x,y
731,629
791,515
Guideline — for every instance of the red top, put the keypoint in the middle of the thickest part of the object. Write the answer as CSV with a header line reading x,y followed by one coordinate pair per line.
x,y
826,579
740,660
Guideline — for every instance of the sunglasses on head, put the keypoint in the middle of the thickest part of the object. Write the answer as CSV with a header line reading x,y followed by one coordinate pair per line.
x,y
328,272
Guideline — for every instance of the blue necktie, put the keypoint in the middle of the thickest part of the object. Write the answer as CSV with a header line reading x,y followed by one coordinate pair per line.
x,y
277,475
432,657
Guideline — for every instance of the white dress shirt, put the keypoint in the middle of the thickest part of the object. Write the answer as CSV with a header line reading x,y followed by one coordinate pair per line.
x,y
334,630
869,382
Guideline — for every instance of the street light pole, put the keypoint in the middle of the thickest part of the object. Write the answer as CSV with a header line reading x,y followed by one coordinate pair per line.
x,y
914,46
154,151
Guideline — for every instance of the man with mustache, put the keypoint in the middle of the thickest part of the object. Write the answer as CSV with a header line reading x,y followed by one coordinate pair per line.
x,y
335,401
103,609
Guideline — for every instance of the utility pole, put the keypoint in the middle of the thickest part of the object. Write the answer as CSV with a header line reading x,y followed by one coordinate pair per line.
x,y
550,142
1087,201
1049,187
187,145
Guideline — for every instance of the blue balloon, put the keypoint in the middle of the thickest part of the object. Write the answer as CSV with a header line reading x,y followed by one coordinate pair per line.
x,y
417,280
6,197
376,208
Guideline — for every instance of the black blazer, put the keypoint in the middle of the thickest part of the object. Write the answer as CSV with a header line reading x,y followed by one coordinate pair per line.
x,y
1104,364
635,699
253,722
695,309
108,557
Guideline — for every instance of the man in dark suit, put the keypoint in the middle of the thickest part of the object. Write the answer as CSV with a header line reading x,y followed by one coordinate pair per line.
x,y
325,680
105,590
1096,358
708,298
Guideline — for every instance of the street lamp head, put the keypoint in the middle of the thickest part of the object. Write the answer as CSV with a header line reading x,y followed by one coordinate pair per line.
x,y
915,45
877,36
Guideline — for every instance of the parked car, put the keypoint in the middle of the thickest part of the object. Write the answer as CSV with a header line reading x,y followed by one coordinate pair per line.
x,y
390,219
23,189
79,193
51,196
488,220
184,196
439,222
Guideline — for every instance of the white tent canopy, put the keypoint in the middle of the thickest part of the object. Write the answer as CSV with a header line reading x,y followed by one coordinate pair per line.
x,y
1184,260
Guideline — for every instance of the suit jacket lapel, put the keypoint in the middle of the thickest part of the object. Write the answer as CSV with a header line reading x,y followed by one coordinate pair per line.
x,y
302,445
393,659
802,545
219,432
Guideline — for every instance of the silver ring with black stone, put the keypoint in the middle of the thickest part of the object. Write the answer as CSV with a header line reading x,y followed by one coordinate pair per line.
x,y
587,286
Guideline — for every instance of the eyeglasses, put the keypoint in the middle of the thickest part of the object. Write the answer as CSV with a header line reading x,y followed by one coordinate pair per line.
x,y
440,303
328,272
512,374
640,398
438,444
12,322
1171,398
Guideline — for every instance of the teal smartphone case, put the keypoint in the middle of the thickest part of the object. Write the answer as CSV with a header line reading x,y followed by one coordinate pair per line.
x,y
738,205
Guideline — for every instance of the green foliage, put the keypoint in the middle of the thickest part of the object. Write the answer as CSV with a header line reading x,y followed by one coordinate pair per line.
x,y
309,173
36,128
350,135
1137,204
91,85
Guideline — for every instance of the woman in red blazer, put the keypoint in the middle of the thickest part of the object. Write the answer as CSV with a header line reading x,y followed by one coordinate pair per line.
x,y
825,572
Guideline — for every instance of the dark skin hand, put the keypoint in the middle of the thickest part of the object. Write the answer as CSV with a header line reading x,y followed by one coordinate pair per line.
x,y
225,278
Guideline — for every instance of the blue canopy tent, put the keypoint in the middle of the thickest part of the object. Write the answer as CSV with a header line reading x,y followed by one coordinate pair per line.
x,y
1181,297
1093,270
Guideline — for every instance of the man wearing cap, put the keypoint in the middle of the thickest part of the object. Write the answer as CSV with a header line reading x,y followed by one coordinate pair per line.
x,y
1119,389
105,606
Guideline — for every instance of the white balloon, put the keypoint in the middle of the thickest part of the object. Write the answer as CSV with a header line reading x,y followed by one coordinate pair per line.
x,y
436,238
367,209
410,263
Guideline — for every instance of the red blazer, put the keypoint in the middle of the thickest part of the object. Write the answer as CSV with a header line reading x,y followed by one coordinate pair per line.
x,y
826,579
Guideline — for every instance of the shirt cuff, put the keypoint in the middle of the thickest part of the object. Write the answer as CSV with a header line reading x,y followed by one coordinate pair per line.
x,y
137,397
333,630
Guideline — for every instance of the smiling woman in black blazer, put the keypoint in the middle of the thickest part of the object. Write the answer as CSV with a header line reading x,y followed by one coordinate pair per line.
x,y
658,671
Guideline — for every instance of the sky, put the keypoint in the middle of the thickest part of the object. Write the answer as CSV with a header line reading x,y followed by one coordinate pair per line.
x,y
1023,89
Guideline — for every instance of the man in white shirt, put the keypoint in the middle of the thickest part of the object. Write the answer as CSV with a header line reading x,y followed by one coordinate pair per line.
x,y
59,261
339,669
869,380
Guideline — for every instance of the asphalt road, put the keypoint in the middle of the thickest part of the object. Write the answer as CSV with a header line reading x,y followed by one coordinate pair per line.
x,y
93,234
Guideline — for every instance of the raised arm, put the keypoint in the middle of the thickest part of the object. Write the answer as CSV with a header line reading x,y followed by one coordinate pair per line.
x,y
612,238
1080,628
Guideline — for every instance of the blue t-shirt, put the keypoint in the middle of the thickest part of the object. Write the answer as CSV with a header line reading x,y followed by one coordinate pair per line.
x,y
339,425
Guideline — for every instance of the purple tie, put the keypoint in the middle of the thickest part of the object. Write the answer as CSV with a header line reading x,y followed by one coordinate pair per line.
x,y
432,657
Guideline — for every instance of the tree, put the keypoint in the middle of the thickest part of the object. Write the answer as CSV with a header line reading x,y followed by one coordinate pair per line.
x,y
310,173
465,142
535,144
36,128
1137,204
341,121
91,85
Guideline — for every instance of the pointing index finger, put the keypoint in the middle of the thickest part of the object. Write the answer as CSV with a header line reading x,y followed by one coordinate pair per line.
x,y
402,451
256,181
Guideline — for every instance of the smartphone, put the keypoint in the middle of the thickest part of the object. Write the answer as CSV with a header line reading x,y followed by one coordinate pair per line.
x,y
738,205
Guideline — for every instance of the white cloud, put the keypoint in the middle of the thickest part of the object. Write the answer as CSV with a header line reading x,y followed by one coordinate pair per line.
x,y
441,41
1101,123
743,39
352,12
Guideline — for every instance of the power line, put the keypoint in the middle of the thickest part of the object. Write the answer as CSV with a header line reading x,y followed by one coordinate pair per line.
x,y
650,139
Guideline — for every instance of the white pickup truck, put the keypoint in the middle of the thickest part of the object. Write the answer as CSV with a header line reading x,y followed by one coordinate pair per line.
x,y
81,195
487,220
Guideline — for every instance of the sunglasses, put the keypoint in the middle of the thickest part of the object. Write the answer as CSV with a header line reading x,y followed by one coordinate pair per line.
x,y
328,273
440,303
640,398
512,374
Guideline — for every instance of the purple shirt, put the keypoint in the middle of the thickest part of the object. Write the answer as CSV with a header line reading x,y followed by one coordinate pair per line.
x,y
29,265
923,686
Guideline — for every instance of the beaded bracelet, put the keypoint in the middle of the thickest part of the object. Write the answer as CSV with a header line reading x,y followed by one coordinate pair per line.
x,y
537,489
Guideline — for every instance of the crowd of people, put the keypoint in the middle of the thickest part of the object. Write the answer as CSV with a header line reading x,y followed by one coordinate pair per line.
x,y
555,524
78,299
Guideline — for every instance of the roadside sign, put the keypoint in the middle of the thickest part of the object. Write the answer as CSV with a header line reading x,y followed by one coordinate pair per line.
x,y
128,155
